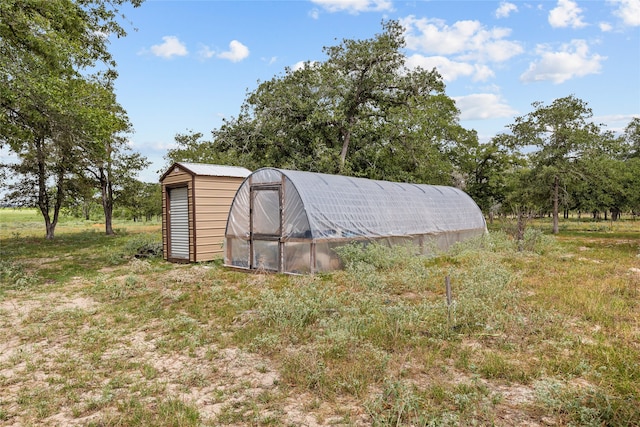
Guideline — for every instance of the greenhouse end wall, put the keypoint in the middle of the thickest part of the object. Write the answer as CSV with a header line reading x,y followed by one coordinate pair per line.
x,y
292,221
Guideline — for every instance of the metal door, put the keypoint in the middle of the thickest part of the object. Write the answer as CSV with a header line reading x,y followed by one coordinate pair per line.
x,y
178,223
266,227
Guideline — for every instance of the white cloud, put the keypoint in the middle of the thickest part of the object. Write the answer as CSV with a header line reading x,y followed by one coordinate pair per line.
x,y
566,14
236,53
483,106
205,52
628,11
302,64
171,47
505,9
572,60
470,40
605,27
450,70
354,6
298,65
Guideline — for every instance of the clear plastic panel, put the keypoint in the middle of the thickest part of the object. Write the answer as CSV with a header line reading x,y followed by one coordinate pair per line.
x,y
266,255
297,257
266,176
332,208
239,253
295,223
326,258
266,212
238,222
339,206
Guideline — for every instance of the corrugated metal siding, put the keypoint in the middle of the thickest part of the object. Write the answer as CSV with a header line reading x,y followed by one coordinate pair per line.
x,y
165,248
179,223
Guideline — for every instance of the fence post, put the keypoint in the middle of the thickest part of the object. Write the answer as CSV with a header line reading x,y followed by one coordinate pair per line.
x,y
447,284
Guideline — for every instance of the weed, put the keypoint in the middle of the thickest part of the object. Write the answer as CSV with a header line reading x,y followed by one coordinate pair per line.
x,y
143,246
169,412
586,405
399,404
14,276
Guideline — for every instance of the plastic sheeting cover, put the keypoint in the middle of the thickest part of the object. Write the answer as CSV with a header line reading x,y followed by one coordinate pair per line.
x,y
325,207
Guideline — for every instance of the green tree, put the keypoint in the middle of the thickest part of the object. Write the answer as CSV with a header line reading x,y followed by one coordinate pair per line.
x,y
106,157
484,171
81,197
558,136
141,199
361,112
630,173
46,49
42,130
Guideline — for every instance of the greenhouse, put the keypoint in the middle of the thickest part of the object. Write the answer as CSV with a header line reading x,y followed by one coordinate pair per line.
x,y
291,221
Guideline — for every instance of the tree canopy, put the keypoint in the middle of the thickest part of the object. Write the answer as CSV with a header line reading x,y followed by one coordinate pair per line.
x,y
361,112
57,108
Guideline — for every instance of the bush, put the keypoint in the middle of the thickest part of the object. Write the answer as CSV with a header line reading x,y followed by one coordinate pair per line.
x,y
143,246
14,276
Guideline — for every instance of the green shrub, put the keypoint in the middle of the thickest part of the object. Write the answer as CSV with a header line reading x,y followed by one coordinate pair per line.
x,y
13,275
143,246
586,406
380,256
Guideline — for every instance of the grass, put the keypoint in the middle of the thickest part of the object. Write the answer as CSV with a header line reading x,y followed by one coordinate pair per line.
x,y
92,335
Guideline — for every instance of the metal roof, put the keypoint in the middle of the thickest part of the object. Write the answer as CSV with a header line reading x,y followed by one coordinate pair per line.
x,y
215,170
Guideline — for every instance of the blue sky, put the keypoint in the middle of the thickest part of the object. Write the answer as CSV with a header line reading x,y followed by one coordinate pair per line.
x,y
188,64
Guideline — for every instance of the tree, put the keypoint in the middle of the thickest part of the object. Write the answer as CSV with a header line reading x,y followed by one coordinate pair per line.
x,y
558,135
106,157
81,197
484,170
42,130
46,46
141,199
361,112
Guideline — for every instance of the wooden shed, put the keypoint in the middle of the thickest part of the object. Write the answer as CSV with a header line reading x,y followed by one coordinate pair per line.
x,y
195,206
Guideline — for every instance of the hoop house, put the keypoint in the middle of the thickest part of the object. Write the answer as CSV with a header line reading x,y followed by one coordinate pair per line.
x,y
291,221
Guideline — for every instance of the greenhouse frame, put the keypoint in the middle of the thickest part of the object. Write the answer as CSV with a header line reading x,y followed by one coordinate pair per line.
x,y
292,221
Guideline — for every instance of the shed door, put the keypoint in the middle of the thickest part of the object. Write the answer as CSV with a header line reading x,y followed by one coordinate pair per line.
x,y
179,223
266,225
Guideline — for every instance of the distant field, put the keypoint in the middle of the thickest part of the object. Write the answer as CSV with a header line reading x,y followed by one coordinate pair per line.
x,y
29,223
91,334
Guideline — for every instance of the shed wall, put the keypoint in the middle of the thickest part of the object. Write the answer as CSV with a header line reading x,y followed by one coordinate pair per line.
x,y
209,200
213,198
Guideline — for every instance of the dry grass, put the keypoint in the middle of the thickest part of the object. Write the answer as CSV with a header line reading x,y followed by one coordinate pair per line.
x,y
90,335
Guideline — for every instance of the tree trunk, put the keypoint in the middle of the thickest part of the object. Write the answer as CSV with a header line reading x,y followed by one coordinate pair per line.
x,y
556,186
43,201
520,231
346,139
106,192
345,148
